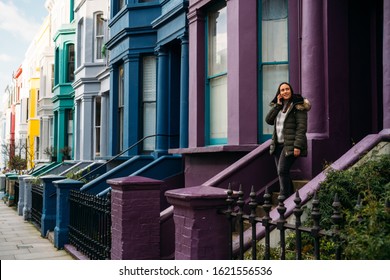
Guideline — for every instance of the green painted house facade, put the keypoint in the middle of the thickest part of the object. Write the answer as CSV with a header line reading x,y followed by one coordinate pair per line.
x,y
63,100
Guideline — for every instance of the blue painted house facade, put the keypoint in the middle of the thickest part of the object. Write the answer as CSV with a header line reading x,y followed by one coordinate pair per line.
x,y
133,75
172,48
149,75
148,91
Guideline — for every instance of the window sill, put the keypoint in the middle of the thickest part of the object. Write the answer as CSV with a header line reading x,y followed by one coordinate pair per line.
x,y
214,149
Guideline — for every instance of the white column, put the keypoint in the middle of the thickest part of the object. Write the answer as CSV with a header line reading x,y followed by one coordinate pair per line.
x,y
45,137
86,128
104,124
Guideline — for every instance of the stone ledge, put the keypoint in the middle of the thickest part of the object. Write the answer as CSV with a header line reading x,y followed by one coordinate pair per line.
x,y
214,149
77,255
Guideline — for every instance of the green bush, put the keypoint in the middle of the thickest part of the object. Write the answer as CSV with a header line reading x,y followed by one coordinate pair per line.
x,y
363,192
367,229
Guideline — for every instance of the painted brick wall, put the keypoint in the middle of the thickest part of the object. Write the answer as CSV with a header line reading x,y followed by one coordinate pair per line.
x,y
135,214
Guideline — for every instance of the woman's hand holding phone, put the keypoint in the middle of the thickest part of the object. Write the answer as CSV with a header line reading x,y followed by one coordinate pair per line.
x,y
279,98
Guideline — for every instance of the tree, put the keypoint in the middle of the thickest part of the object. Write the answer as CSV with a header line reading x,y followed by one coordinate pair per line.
x,y
16,156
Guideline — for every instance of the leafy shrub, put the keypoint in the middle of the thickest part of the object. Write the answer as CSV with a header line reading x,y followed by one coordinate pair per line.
x,y
363,192
367,229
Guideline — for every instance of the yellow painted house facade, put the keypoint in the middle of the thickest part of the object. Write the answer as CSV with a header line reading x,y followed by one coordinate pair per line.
x,y
33,128
35,63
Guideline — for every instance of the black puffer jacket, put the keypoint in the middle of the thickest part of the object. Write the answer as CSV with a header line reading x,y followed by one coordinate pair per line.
x,y
295,125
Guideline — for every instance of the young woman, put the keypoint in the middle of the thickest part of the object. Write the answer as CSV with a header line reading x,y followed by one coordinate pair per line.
x,y
288,115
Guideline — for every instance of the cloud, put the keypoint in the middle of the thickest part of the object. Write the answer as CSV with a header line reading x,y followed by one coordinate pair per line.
x,y
15,22
5,57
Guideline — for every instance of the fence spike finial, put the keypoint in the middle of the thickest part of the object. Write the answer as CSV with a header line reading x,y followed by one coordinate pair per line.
x,y
267,203
315,211
229,200
253,203
336,217
240,200
298,211
252,220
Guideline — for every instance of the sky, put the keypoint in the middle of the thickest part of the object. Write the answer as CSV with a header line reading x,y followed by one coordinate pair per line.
x,y
19,22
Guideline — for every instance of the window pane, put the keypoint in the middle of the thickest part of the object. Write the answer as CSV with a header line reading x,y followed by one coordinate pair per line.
x,y
71,62
149,125
70,121
97,144
149,101
273,75
274,31
99,24
274,9
51,129
97,110
149,76
121,85
36,148
52,80
99,45
120,130
97,124
218,107
217,42
217,73
56,66
99,35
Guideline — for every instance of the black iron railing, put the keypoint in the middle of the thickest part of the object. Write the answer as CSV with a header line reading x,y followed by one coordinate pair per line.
x,y
36,204
16,193
237,218
85,176
90,224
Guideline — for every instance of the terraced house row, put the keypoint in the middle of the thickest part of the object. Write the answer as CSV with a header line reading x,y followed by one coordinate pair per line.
x,y
164,102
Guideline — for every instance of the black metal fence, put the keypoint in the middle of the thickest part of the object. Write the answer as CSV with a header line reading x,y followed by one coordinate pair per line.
x,y
36,204
235,214
16,193
90,224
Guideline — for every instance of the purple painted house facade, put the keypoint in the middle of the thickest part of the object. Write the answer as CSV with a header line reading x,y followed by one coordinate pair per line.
x,y
335,53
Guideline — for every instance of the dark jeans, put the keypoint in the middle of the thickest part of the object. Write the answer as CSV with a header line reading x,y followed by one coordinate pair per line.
x,y
283,165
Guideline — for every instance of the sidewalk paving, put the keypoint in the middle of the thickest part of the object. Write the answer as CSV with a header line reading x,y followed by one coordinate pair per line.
x,y
20,240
